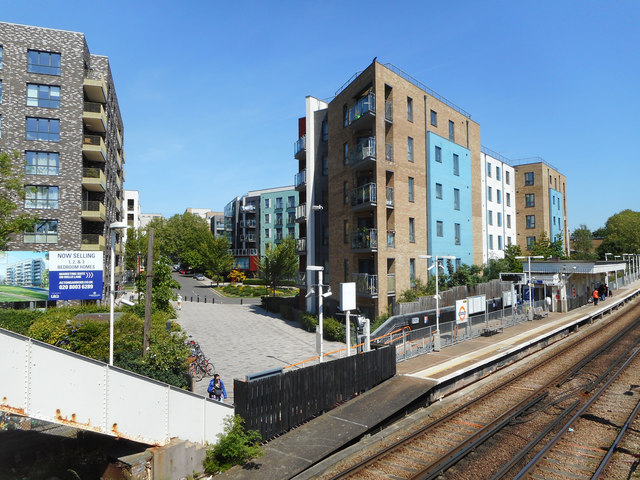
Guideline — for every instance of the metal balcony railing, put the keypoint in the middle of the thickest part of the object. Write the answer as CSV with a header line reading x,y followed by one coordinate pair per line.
x,y
364,194
388,152
364,239
391,283
391,239
363,106
300,178
366,284
91,206
389,196
365,150
388,111
243,252
301,245
250,237
91,172
278,222
301,211
300,145
93,107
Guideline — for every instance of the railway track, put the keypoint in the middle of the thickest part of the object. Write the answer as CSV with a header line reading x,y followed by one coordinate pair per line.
x,y
500,432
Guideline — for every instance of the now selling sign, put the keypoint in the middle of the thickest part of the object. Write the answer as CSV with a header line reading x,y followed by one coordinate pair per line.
x,y
75,275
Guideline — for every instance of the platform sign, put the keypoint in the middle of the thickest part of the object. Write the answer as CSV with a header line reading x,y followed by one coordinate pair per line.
x,y
75,275
477,304
462,310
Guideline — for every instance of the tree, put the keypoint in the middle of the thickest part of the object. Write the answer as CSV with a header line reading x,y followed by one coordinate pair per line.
x,y
279,263
583,244
184,239
218,260
545,247
11,194
163,285
510,254
622,234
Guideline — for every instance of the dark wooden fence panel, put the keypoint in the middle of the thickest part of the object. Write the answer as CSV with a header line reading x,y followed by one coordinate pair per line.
x,y
276,404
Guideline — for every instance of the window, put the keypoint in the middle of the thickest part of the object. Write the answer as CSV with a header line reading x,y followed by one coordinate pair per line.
x,y
508,199
456,233
458,263
410,109
291,201
267,203
488,169
498,175
279,219
456,164
410,149
291,232
439,228
412,230
434,118
267,233
529,200
452,135
345,231
411,189
531,221
345,191
456,199
500,245
507,177
508,240
528,178
130,204
278,234
47,129
554,200
490,242
41,163
498,196
291,218
489,195
0,91
531,241
412,272
36,196
45,231
0,57
345,116
508,221
439,191
490,217
43,62
279,203
499,218
345,153
325,165
550,180
267,218
47,96
325,131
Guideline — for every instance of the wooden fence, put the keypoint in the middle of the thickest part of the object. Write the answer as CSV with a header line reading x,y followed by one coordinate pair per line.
x,y
275,404
492,289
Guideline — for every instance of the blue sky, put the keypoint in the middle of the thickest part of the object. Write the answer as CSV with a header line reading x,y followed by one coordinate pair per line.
x,y
210,91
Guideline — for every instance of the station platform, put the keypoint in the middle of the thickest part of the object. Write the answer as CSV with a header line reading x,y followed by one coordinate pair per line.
x,y
418,382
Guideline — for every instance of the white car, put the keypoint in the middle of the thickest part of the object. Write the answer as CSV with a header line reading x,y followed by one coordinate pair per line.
x,y
198,276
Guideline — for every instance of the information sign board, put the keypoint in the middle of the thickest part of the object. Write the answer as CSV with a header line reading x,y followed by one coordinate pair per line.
x,y
462,309
477,304
75,275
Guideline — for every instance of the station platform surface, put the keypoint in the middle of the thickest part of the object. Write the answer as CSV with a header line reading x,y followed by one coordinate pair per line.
x,y
300,448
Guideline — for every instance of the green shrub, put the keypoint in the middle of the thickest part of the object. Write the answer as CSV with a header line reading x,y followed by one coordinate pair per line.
x,y
254,281
309,322
235,447
333,330
19,321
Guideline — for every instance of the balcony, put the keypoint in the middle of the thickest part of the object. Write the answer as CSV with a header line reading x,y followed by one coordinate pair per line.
x,y
119,159
119,138
94,149
117,248
391,239
93,179
93,211
364,197
91,241
362,115
118,182
388,111
246,224
250,208
301,213
300,180
366,284
95,89
248,237
389,197
119,270
244,252
302,280
94,117
364,240
118,204
300,147
279,222
388,152
365,153
391,283
301,246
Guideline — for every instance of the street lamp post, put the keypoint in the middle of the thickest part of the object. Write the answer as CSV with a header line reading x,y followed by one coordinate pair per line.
x,y
113,227
529,257
436,335
321,295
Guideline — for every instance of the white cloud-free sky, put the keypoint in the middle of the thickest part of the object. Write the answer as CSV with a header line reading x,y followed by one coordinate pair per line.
x,y
210,91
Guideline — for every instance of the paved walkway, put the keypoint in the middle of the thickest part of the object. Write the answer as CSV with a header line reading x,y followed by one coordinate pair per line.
x,y
245,339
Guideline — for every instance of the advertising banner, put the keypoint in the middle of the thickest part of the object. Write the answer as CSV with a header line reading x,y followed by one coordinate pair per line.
x,y
24,276
75,275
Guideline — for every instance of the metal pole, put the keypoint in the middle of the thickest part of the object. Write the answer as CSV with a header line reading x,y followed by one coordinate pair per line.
x,y
530,282
112,294
320,342
147,300
436,336
347,326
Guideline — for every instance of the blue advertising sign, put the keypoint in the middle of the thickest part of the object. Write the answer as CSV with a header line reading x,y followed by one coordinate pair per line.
x,y
75,275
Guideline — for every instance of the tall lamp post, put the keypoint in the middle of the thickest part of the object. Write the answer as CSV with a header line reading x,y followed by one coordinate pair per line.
x,y
321,295
529,257
436,335
112,228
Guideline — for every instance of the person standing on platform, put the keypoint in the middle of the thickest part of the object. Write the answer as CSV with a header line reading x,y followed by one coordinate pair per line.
x,y
595,296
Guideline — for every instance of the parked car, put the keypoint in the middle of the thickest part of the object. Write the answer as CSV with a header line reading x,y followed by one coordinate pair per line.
x,y
198,276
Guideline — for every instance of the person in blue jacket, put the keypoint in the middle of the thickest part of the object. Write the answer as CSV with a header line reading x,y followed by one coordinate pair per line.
x,y
216,389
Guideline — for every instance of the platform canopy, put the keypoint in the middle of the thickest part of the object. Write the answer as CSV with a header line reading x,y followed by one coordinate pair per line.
x,y
574,266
